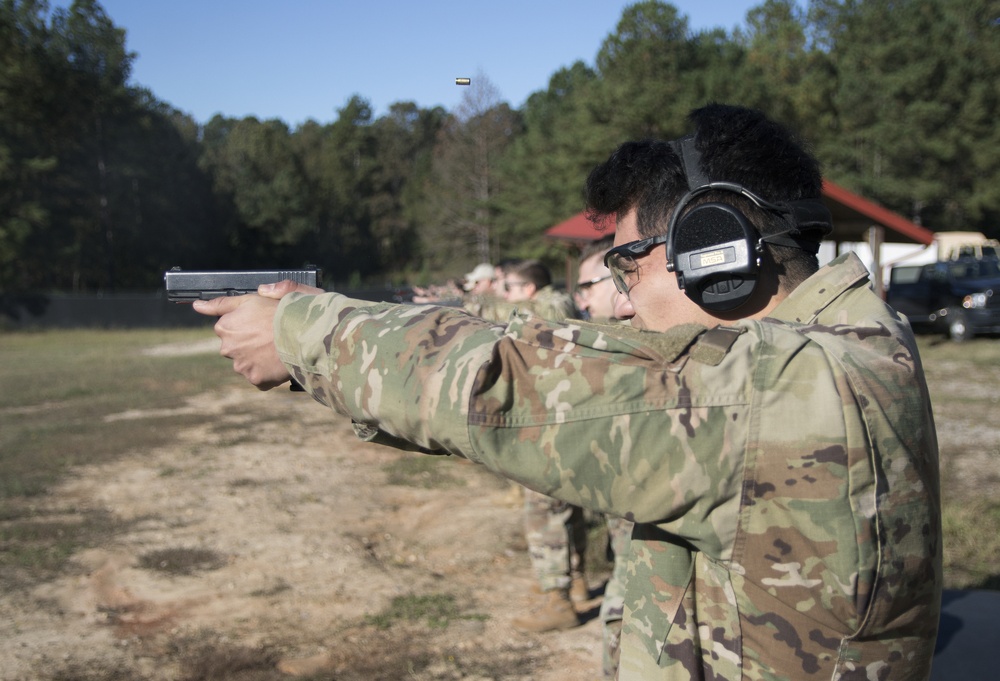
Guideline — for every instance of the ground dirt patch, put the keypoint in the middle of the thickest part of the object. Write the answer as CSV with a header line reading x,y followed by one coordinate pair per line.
x,y
268,543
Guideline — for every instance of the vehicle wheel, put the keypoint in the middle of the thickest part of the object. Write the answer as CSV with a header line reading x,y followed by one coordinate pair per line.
x,y
958,327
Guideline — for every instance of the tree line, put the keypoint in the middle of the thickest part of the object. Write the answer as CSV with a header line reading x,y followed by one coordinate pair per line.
x,y
103,185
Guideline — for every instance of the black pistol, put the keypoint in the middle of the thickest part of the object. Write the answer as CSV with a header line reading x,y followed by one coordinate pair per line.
x,y
188,286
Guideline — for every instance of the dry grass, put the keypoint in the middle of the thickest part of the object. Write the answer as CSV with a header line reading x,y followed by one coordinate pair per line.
x,y
57,388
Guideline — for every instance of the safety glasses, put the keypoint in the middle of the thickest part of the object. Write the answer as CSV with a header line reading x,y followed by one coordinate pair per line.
x,y
583,287
621,261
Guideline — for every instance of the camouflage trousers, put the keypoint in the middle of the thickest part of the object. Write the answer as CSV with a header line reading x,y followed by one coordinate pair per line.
x,y
613,605
556,533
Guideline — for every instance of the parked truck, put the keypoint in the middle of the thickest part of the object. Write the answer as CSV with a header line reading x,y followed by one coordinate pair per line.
x,y
958,297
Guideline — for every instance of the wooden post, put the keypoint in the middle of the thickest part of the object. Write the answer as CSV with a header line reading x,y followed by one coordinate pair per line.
x,y
876,236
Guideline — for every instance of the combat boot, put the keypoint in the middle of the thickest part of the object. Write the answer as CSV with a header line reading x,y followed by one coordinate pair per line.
x,y
579,592
554,614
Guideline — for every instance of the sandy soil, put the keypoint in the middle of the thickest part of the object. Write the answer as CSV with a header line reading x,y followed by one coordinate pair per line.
x,y
302,541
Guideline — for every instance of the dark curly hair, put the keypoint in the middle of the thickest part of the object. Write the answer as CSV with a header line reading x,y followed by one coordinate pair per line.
x,y
738,145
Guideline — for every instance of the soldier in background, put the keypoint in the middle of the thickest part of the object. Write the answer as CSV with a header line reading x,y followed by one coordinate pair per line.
x,y
527,286
481,294
595,298
556,532
477,290
595,293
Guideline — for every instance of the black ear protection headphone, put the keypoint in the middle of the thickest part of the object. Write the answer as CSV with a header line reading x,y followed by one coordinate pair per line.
x,y
715,250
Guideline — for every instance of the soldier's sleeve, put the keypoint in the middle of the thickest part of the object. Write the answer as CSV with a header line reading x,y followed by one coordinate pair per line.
x,y
403,373
560,408
616,420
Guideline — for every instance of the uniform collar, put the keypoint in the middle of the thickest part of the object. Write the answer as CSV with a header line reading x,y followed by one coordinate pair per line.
x,y
820,290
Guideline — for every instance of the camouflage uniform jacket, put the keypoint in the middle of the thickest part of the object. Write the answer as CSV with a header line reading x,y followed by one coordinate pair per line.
x,y
548,304
784,471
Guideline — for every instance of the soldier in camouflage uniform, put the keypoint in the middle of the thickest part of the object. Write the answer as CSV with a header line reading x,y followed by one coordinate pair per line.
x,y
555,531
527,285
481,290
779,459
594,296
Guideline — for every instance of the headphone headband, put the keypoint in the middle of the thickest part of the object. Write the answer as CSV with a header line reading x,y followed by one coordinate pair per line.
x,y
808,216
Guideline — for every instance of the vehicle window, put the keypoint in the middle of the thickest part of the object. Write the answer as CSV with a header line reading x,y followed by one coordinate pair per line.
x,y
989,268
904,275
962,270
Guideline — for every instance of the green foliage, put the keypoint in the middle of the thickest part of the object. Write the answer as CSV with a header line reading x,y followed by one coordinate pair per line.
x,y
405,139
916,99
543,168
58,389
102,186
257,173
26,112
781,73
465,181
651,46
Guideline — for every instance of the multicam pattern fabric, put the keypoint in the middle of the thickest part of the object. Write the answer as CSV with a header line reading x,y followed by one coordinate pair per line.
x,y
548,303
556,533
783,473
487,306
613,603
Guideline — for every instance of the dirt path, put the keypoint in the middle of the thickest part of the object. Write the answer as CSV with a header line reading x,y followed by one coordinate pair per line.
x,y
271,538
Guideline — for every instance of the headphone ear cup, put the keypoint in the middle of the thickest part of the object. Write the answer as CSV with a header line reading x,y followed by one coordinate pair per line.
x,y
714,250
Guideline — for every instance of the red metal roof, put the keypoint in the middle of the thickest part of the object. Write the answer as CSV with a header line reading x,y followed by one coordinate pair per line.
x,y
874,212
845,205
579,228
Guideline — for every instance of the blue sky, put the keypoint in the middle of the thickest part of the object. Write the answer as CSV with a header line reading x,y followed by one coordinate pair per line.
x,y
303,59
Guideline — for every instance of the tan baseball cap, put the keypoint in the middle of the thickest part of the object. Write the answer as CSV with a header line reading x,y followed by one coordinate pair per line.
x,y
482,271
